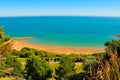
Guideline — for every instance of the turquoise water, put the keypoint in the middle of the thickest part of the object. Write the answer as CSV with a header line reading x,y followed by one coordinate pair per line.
x,y
64,31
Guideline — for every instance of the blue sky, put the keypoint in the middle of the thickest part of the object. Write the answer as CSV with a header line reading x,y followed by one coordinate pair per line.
x,y
59,7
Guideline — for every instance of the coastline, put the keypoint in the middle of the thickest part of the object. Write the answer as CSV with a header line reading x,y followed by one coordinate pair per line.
x,y
18,44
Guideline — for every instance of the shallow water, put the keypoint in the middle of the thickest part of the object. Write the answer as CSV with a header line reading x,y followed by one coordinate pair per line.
x,y
64,30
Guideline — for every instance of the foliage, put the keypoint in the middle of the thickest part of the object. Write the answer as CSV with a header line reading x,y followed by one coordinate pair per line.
x,y
6,38
5,50
1,29
108,67
3,37
89,60
15,52
2,66
11,62
66,68
113,47
37,69
26,52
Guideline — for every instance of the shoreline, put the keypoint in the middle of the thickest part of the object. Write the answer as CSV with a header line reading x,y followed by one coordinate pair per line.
x,y
64,46
18,44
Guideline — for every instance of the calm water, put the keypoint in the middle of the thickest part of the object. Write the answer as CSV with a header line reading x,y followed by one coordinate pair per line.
x,y
64,31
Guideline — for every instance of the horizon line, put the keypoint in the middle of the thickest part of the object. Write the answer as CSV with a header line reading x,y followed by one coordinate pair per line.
x,y
61,16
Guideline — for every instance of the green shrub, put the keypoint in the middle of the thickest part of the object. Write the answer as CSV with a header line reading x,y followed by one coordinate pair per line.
x,y
37,68
66,68
11,62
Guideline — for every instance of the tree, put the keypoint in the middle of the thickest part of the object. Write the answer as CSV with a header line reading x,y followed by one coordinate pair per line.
x,y
37,69
113,47
1,29
3,37
66,69
12,62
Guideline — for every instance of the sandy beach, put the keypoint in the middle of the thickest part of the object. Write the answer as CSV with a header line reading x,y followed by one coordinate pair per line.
x,y
19,44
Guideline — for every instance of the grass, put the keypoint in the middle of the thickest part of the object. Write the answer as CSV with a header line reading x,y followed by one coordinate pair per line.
x,y
54,65
22,61
79,68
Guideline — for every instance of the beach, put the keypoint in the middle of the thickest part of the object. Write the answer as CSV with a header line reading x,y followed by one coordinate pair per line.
x,y
19,44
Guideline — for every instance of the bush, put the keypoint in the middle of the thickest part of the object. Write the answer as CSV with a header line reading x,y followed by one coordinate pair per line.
x,y
6,38
37,69
66,68
11,62
3,37
108,67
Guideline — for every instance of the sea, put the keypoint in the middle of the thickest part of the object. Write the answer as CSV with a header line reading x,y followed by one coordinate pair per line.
x,y
63,31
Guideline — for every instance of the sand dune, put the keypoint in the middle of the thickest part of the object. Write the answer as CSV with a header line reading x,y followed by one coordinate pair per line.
x,y
19,44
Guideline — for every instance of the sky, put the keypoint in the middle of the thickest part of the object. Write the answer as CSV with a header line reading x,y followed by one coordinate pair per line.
x,y
59,8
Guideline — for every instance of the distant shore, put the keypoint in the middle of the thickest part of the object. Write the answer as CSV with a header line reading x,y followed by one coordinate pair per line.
x,y
18,44
24,38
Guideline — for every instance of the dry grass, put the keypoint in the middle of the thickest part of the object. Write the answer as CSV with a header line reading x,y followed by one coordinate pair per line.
x,y
108,69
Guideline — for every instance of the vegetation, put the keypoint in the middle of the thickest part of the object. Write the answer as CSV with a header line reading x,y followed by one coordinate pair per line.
x,y
66,68
14,64
31,64
3,37
107,67
37,69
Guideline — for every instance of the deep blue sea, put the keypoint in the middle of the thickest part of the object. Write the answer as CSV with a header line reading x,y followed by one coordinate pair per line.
x,y
74,31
